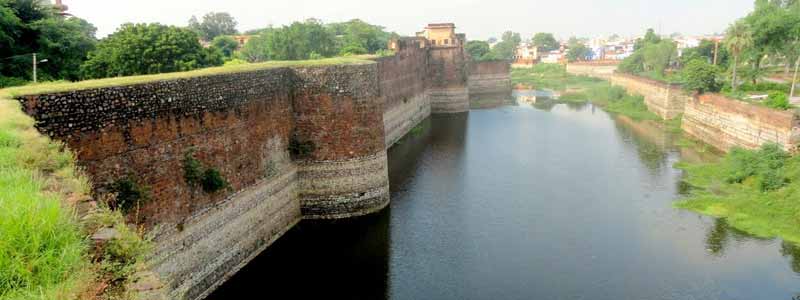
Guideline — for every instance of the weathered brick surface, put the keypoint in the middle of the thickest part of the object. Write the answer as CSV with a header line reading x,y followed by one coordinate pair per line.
x,y
448,75
726,123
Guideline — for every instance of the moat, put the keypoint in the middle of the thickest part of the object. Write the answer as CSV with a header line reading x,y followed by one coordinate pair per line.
x,y
544,201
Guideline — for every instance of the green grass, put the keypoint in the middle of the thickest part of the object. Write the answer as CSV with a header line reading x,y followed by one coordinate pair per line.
x,y
551,77
42,248
54,87
756,191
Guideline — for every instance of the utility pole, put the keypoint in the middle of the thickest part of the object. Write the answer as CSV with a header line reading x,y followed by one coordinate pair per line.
x,y
716,50
34,67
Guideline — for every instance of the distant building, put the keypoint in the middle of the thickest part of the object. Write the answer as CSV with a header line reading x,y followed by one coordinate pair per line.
x,y
62,9
242,39
442,35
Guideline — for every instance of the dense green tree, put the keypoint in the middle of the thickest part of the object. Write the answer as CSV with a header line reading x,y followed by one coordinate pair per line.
x,y
294,42
545,41
705,51
650,37
506,48
738,38
359,37
225,44
577,50
214,24
701,76
657,57
33,26
136,49
477,49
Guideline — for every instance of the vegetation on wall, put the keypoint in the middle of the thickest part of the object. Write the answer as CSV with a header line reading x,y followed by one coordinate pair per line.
x,y
197,174
300,149
130,194
477,50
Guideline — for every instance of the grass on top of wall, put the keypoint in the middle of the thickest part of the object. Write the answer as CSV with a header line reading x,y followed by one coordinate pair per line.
x,y
43,253
756,191
551,77
62,86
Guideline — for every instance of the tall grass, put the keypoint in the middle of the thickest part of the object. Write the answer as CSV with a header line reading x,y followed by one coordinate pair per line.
x,y
757,191
42,248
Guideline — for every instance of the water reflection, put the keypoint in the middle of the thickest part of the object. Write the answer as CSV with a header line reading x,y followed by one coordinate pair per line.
x,y
536,201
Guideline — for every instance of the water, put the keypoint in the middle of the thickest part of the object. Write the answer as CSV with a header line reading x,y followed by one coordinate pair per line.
x,y
535,201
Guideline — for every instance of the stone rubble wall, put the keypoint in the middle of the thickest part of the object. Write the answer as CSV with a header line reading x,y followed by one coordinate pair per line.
x,y
243,125
403,88
604,71
489,79
665,100
726,123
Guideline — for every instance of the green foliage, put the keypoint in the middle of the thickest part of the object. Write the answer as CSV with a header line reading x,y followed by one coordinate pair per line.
x,y
195,173
11,81
506,48
754,190
577,51
652,55
42,248
214,24
701,76
650,37
545,42
551,76
136,49
119,256
477,49
130,194
705,52
633,64
778,100
28,26
226,44
302,39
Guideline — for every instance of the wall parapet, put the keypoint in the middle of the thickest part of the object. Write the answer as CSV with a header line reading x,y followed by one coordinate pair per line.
x,y
727,123
664,99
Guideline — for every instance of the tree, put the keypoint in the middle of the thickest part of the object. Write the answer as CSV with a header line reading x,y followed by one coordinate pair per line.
x,y
577,50
506,48
701,76
477,49
214,24
656,57
32,26
705,50
545,42
650,37
294,42
225,44
358,36
738,38
136,49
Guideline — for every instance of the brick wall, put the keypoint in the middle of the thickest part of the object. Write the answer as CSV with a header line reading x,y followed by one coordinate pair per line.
x,y
600,70
448,74
665,100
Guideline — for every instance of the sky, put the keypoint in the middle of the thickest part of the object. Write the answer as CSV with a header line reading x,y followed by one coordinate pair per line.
x,y
479,19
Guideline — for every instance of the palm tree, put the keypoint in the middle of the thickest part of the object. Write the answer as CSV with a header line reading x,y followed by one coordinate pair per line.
x,y
737,39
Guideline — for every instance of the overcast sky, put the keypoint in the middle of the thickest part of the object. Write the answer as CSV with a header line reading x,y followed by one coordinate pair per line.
x,y
479,19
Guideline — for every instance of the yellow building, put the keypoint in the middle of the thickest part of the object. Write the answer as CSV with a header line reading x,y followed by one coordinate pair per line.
x,y
442,35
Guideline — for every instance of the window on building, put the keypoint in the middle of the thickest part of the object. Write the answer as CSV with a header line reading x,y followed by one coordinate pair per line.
x,y
446,41
433,42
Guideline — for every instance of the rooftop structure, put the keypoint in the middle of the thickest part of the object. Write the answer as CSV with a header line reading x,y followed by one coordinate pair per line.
x,y
442,35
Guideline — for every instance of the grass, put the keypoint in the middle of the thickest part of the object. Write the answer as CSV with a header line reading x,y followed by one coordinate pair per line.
x,y
756,191
54,87
583,89
42,248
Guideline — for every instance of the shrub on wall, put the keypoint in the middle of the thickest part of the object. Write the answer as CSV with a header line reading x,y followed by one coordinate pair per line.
x,y
701,76
300,149
130,194
196,174
778,100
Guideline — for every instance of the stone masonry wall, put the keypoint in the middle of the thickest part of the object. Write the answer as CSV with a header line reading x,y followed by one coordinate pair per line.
x,y
340,112
601,70
726,123
448,74
239,124
489,79
403,89
665,100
